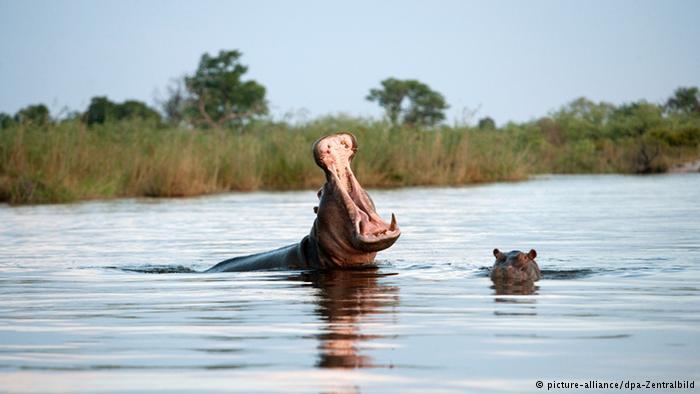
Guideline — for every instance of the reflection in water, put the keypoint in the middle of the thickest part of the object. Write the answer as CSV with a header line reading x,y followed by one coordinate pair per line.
x,y
345,300
510,287
526,306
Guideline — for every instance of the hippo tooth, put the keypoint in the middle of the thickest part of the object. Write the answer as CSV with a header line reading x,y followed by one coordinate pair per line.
x,y
392,227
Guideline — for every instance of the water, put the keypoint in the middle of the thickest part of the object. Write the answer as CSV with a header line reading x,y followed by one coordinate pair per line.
x,y
84,309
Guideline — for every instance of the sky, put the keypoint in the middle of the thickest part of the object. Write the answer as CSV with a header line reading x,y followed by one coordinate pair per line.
x,y
511,60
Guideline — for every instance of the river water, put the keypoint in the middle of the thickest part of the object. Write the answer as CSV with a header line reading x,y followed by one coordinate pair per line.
x,y
97,297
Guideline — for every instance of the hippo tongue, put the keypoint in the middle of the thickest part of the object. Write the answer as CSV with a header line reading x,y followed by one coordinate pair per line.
x,y
334,154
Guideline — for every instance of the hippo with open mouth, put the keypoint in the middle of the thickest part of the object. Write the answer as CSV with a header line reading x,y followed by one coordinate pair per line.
x,y
515,266
347,232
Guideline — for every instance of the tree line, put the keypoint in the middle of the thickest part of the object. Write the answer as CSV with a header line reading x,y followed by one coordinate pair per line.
x,y
217,95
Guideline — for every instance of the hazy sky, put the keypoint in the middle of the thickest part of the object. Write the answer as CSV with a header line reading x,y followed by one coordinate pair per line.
x,y
513,60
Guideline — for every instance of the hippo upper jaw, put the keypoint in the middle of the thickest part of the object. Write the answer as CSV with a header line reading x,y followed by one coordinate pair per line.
x,y
351,222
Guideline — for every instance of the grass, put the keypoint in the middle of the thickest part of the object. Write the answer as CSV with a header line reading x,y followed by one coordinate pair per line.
x,y
67,161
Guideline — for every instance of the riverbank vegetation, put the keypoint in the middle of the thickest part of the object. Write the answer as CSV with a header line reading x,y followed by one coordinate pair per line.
x,y
214,135
69,161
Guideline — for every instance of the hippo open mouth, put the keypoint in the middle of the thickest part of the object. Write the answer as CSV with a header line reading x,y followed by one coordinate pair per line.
x,y
347,232
342,192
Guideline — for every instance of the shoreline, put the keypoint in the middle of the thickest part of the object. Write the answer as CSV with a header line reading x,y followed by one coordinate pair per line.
x,y
687,167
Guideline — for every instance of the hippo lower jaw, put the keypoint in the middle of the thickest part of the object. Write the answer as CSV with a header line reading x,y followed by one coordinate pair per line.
x,y
379,240
371,232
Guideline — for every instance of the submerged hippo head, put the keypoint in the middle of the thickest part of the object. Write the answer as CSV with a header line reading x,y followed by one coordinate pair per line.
x,y
348,230
515,266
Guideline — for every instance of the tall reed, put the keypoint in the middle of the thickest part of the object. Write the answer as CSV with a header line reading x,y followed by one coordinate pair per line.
x,y
68,161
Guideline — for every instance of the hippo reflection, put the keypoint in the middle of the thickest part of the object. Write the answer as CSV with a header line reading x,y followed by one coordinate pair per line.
x,y
346,299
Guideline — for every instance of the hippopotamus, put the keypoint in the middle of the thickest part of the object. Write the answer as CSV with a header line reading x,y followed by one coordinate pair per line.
x,y
515,266
347,231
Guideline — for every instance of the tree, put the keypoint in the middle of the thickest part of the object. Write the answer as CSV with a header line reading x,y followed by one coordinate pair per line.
x,y
220,95
133,109
390,97
487,123
426,106
102,110
37,115
583,118
409,102
634,119
5,121
685,100
177,104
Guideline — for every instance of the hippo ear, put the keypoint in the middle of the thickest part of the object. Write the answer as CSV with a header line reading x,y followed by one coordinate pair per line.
x,y
498,254
532,254
319,193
